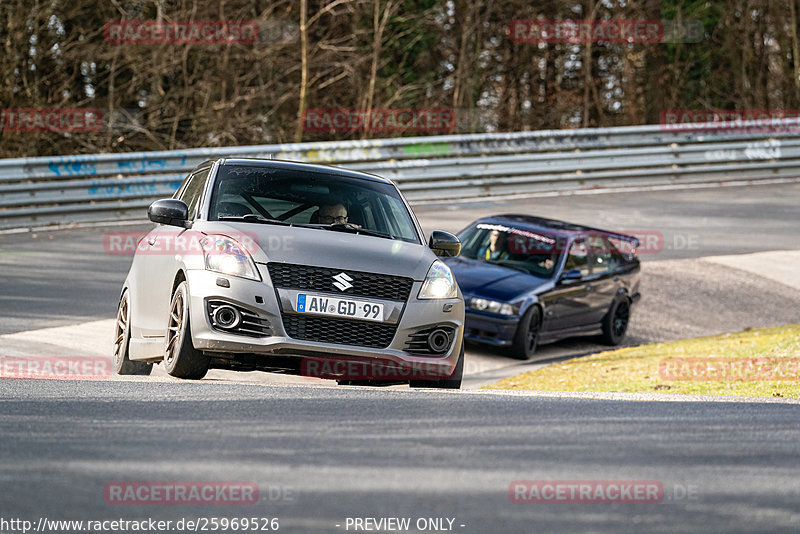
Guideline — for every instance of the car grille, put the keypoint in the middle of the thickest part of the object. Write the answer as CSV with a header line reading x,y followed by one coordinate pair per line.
x,y
379,286
339,331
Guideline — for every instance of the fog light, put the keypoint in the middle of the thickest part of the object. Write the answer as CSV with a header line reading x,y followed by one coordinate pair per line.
x,y
227,316
438,340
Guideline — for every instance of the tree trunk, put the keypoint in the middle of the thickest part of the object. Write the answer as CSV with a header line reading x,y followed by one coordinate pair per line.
x,y
301,107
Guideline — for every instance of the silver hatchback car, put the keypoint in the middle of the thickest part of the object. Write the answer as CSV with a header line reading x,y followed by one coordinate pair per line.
x,y
293,268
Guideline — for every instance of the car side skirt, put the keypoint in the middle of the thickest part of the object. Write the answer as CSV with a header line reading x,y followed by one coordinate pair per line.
x,y
149,348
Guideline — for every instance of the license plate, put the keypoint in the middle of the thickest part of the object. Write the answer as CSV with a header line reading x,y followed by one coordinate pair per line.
x,y
336,307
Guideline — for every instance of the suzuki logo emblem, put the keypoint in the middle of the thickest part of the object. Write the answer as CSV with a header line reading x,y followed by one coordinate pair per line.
x,y
342,282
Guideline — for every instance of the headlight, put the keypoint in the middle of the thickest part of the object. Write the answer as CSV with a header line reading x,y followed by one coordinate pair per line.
x,y
439,283
225,255
503,308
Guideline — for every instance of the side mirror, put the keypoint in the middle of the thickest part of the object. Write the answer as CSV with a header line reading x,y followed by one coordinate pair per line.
x,y
570,276
169,211
444,244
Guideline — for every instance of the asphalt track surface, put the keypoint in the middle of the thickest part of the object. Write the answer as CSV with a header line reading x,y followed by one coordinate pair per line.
x,y
322,454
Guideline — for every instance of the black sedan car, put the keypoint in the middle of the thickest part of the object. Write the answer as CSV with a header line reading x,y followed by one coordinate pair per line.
x,y
529,280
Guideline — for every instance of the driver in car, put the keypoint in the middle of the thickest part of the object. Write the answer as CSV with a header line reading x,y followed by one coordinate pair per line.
x,y
332,214
496,250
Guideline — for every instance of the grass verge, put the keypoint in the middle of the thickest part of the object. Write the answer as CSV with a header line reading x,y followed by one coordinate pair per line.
x,y
761,362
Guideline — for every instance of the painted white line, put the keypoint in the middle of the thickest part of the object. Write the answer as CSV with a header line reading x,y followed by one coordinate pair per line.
x,y
639,397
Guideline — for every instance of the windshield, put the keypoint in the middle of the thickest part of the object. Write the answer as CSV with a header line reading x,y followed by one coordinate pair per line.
x,y
519,249
311,198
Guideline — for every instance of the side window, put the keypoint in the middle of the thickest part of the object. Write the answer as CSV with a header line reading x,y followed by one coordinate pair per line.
x,y
599,254
606,258
193,191
601,262
394,212
578,257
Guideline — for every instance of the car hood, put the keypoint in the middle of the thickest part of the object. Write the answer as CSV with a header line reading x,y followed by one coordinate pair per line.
x,y
487,280
326,248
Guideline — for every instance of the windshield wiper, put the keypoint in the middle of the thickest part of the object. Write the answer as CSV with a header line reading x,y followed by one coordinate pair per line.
x,y
252,217
348,227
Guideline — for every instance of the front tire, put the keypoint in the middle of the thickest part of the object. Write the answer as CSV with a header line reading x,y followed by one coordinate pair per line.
x,y
451,382
122,339
526,339
181,359
615,322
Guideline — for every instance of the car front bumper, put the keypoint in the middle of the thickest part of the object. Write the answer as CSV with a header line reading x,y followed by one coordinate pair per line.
x,y
262,298
490,330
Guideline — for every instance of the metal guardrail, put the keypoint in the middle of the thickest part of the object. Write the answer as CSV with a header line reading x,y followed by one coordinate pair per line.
x,y
56,190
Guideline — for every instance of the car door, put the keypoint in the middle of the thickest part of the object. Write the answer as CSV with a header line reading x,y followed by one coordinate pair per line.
x,y
603,279
568,304
158,266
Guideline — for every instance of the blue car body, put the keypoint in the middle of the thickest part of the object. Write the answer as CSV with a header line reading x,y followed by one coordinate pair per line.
x,y
568,304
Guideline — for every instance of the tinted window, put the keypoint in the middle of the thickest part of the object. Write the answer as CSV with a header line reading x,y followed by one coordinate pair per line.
x,y
578,257
601,262
604,258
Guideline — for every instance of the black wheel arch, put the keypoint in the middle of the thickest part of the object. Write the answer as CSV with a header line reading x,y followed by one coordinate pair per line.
x,y
180,276
537,304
